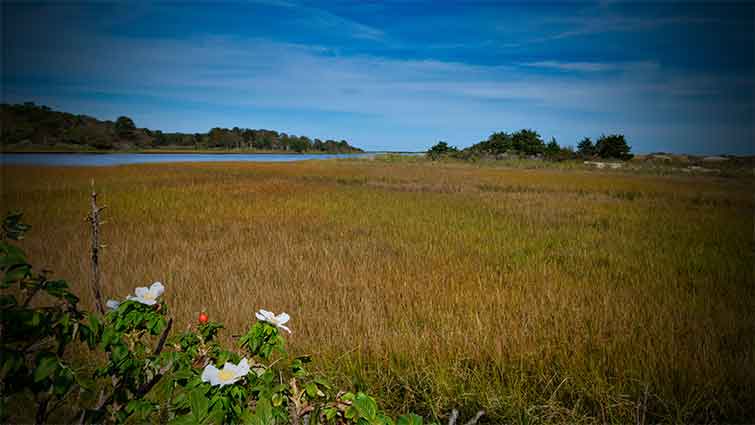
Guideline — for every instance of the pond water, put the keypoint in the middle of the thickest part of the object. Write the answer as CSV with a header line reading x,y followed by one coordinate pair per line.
x,y
109,159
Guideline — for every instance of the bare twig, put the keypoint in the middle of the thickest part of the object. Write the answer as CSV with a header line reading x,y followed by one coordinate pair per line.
x,y
476,418
163,337
94,220
454,417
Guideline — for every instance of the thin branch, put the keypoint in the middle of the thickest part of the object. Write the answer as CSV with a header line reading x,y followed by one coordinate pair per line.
x,y
31,295
94,219
163,338
42,412
476,418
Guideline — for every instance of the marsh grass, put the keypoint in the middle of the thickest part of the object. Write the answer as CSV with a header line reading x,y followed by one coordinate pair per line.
x,y
539,295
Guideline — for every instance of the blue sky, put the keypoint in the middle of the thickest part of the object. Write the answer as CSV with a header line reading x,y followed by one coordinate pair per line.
x,y
671,76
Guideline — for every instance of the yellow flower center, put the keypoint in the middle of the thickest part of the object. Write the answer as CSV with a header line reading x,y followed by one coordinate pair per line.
x,y
226,375
149,296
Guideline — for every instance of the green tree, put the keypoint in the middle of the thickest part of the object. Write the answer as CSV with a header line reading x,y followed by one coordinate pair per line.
x,y
528,142
124,128
439,149
552,148
586,148
159,138
613,146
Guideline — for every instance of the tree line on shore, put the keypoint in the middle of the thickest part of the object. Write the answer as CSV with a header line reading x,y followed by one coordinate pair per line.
x,y
31,125
528,143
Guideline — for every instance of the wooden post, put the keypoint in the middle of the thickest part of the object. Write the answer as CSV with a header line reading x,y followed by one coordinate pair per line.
x,y
94,220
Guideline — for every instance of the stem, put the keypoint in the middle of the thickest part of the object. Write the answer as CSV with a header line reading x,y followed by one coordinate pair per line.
x,y
42,411
94,219
32,293
163,338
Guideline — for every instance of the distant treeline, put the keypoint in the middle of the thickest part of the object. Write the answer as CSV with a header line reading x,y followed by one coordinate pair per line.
x,y
528,143
39,126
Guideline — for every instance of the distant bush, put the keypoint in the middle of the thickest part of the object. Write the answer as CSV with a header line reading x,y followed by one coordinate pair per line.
x,y
124,128
528,143
613,147
585,148
439,149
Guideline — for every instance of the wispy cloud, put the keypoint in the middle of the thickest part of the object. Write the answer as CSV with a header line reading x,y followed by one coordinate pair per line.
x,y
327,21
595,66
605,24
574,66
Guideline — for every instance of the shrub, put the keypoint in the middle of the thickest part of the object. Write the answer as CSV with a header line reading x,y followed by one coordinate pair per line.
x,y
124,128
440,149
613,146
585,148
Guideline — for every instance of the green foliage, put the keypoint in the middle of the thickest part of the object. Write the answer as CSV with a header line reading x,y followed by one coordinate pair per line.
x,y
527,142
124,128
586,148
613,147
40,125
552,149
523,142
439,149
35,337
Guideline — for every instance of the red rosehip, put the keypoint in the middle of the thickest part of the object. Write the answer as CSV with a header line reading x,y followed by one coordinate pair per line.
x,y
203,318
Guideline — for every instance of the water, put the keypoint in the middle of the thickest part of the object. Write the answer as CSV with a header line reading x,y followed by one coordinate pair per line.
x,y
110,159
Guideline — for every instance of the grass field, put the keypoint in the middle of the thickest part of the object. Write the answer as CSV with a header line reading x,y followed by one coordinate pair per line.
x,y
538,295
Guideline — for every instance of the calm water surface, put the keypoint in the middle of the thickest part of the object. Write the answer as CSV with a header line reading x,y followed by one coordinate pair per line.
x,y
107,159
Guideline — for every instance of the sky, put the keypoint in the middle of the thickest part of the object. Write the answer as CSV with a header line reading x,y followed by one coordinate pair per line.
x,y
671,76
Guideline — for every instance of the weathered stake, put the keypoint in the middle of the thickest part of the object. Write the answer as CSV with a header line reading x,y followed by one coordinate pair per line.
x,y
94,220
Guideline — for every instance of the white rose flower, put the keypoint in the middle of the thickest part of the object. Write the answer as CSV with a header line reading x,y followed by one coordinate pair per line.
x,y
112,304
146,295
270,317
229,374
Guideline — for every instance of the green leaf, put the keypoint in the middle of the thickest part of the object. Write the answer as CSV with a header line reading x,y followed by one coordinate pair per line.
x,y
263,413
199,403
184,420
217,415
277,399
63,381
410,419
47,363
140,408
311,390
365,405
330,413
12,362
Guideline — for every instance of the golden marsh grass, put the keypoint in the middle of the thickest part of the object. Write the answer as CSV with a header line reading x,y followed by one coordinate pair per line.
x,y
550,295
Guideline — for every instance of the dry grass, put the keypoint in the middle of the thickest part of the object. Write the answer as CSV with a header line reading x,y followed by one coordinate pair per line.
x,y
536,294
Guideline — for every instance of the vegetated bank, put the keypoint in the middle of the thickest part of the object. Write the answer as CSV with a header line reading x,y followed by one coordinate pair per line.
x,y
539,295
526,148
528,143
28,127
